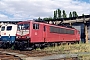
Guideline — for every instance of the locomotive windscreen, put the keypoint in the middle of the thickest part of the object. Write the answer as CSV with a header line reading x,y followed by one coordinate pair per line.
x,y
23,30
9,28
3,28
23,26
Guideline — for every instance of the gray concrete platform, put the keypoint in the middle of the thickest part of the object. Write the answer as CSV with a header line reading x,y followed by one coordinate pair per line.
x,y
55,56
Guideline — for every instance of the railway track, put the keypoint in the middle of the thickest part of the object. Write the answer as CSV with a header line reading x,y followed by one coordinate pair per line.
x,y
34,53
4,56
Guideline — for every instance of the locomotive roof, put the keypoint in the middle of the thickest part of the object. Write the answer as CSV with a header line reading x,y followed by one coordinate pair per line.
x,y
44,22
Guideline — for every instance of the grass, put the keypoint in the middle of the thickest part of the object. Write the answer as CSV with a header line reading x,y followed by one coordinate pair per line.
x,y
71,49
84,56
75,48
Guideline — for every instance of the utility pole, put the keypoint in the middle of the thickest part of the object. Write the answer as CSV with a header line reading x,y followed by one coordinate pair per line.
x,y
86,34
70,24
86,31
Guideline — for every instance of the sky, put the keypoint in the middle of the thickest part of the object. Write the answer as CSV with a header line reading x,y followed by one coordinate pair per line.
x,y
21,10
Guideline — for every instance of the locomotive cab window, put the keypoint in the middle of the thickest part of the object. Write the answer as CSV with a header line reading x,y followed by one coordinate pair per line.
x,y
3,28
20,26
9,28
35,26
26,26
23,26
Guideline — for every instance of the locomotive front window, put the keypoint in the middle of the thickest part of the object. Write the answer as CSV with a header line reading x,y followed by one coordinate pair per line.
x,y
26,26
23,26
3,28
20,26
9,28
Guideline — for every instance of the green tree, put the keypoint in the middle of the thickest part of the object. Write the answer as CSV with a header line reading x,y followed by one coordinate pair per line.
x,y
59,13
39,18
45,19
70,15
82,14
75,14
64,14
50,18
54,14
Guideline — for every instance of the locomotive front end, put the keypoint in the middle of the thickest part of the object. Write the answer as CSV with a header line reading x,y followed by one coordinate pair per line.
x,y
8,35
22,35
23,31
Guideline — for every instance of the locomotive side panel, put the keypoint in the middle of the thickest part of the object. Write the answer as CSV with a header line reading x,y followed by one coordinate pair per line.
x,y
37,33
55,34
77,34
51,37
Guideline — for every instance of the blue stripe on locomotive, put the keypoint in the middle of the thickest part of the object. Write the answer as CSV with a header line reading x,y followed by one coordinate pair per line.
x,y
10,39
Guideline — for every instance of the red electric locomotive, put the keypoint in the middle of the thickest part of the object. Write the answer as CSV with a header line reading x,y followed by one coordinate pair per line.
x,y
31,34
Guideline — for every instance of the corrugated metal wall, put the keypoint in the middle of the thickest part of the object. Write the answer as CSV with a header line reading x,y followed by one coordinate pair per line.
x,y
80,27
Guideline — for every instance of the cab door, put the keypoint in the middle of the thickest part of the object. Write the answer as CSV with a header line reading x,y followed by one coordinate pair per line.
x,y
44,33
37,33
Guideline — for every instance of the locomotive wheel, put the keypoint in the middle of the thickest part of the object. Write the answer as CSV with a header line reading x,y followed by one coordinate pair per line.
x,y
29,48
25,48
42,47
4,46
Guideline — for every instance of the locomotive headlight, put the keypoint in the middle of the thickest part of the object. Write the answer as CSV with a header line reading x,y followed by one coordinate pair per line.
x,y
9,35
17,37
27,37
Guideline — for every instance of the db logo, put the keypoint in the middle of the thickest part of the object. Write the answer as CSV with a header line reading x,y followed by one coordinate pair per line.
x,y
4,33
35,33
